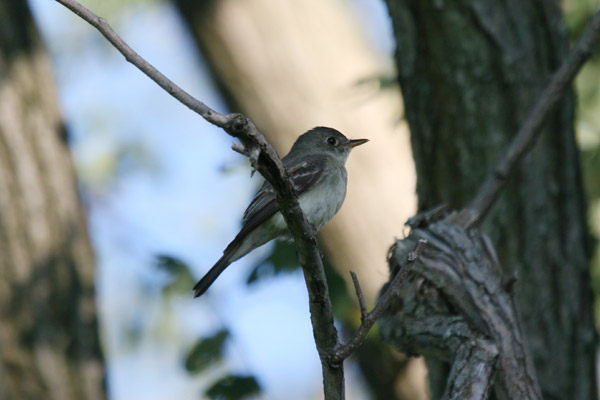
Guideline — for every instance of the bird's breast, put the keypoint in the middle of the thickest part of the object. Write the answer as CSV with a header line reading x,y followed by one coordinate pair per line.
x,y
321,202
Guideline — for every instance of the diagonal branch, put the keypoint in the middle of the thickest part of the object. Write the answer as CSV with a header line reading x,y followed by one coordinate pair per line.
x,y
134,58
530,129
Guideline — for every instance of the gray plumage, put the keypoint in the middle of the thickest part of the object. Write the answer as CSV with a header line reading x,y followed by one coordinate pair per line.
x,y
317,160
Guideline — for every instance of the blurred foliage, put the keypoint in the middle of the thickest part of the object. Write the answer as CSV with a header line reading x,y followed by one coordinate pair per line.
x,y
234,387
109,159
378,82
577,14
283,259
343,305
373,85
206,352
181,276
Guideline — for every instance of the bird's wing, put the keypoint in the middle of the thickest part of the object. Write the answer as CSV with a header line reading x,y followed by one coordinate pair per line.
x,y
264,205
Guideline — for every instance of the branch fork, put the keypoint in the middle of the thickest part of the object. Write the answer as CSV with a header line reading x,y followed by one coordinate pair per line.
x,y
456,307
368,319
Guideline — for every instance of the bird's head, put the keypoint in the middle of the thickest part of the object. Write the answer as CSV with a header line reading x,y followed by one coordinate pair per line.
x,y
325,140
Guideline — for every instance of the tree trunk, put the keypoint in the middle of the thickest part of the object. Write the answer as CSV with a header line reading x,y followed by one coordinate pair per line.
x,y
469,72
49,345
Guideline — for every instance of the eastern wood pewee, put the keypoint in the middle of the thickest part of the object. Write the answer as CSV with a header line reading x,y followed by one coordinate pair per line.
x,y
317,164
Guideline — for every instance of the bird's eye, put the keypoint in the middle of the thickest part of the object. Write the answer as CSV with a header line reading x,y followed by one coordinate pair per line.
x,y
331,140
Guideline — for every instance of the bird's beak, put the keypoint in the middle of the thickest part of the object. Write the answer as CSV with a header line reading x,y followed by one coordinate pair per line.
x,y
356,142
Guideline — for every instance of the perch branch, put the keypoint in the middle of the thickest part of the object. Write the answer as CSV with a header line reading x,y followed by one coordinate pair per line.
x,y
264,158
496,180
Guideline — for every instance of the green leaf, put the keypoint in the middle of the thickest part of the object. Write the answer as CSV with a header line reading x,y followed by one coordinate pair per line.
x,y
233,387
206,352
182,279
172,265
382,82
282,259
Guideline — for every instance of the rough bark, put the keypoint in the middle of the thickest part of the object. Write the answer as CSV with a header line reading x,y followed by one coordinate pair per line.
x,y
49,345
457,306
469,72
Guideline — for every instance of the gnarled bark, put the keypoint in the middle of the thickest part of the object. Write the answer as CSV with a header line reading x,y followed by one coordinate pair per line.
x,y
458,307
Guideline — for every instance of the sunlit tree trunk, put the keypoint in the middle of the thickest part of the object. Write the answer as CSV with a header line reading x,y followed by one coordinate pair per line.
x,y
49,345
469,72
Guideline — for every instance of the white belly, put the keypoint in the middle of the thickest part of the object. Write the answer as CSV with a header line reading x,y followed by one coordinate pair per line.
x,y
323,201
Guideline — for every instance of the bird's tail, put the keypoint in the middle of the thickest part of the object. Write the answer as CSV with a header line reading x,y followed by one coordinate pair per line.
x,y
208,279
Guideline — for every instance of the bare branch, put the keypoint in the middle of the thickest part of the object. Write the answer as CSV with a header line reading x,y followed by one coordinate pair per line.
x,y
496,180
343,351
361,298
130,55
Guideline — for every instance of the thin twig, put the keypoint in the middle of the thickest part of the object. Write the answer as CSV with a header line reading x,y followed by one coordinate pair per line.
x,y
239,148
361,298
130,55
343,351
270,166
496,180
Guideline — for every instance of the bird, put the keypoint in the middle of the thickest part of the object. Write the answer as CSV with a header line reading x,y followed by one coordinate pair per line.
x,y
316,163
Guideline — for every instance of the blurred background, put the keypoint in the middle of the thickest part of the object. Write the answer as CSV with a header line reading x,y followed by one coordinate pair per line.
x,y
164,193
